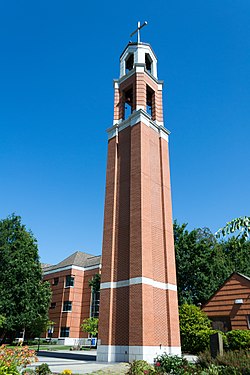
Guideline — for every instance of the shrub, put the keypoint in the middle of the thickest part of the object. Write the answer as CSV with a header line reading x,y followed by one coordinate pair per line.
x,y
230,363
28,371
195,329
140,367
172,364
10,369
240,360
238,339
43,369
13,359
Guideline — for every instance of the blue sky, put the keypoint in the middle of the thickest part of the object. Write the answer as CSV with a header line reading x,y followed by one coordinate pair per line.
x,y
58,60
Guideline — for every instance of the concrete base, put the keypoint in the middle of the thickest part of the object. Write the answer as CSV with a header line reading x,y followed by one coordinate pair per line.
x,y
114,353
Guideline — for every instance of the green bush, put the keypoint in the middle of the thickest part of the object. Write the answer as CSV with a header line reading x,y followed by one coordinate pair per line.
x,y
238,339
195,329
140,367
230,363
43,369
28,371
240,360
172,364
8,370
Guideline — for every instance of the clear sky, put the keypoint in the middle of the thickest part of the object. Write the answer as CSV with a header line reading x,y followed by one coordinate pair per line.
x,y
57,63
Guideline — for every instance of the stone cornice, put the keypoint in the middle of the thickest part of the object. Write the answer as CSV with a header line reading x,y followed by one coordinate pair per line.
x,y
138,116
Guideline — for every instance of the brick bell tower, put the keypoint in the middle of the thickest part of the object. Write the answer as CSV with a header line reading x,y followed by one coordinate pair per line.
x,y
138,307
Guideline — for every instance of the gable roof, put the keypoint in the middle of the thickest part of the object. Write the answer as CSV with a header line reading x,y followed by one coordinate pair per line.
x,y
79,258
222,285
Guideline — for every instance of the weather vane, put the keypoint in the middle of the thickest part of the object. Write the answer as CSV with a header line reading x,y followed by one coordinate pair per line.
x,y
139,27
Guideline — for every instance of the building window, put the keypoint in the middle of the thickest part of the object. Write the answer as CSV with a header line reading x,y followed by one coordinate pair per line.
x,y
95,303
67,306
70,280
248,321
56,281
64,332
53,305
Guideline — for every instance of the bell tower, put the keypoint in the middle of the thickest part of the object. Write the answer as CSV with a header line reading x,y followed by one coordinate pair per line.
x,y
138,307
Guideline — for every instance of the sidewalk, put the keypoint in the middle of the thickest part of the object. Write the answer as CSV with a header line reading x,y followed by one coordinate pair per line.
x,y
86,365
80,362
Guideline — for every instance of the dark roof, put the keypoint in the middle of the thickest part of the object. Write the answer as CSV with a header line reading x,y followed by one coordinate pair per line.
x,y
44,265
245,277
78,258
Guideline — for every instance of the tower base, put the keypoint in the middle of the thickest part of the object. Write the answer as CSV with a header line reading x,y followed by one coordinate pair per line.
x,y
115,353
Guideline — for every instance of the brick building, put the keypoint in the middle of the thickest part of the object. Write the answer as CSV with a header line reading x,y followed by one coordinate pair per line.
x,y
72,297
229,307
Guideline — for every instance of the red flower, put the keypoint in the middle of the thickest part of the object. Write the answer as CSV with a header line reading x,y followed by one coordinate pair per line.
x,y
157,364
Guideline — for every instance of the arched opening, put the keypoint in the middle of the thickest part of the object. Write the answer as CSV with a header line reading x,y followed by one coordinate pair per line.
x,y
129,63
148,62
150,102
128,103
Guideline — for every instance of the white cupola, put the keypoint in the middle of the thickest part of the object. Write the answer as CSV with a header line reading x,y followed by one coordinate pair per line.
x,y
138,54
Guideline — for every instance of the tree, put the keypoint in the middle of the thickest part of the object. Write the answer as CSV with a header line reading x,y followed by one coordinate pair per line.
x,y
240,225
90,325
237,254
203,263
200,263
2,320
24,298
94,283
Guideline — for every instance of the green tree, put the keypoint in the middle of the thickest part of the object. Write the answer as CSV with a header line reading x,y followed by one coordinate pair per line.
x,y
200,263
90,325
2,320
94,283
240,225
237,254
24,298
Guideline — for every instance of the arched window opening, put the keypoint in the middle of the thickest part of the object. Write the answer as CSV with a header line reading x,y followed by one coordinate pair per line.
x,y
129,63
150,101
128,103
148,62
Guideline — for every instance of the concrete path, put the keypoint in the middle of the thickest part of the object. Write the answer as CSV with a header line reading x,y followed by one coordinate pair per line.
x,y
80,362
83,363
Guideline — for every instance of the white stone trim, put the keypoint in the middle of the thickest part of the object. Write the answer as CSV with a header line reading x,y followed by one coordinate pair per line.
x,y
163,135
115,122
139,115
136,281
160,123
139,107
139,68
160,86
72,267
116,353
